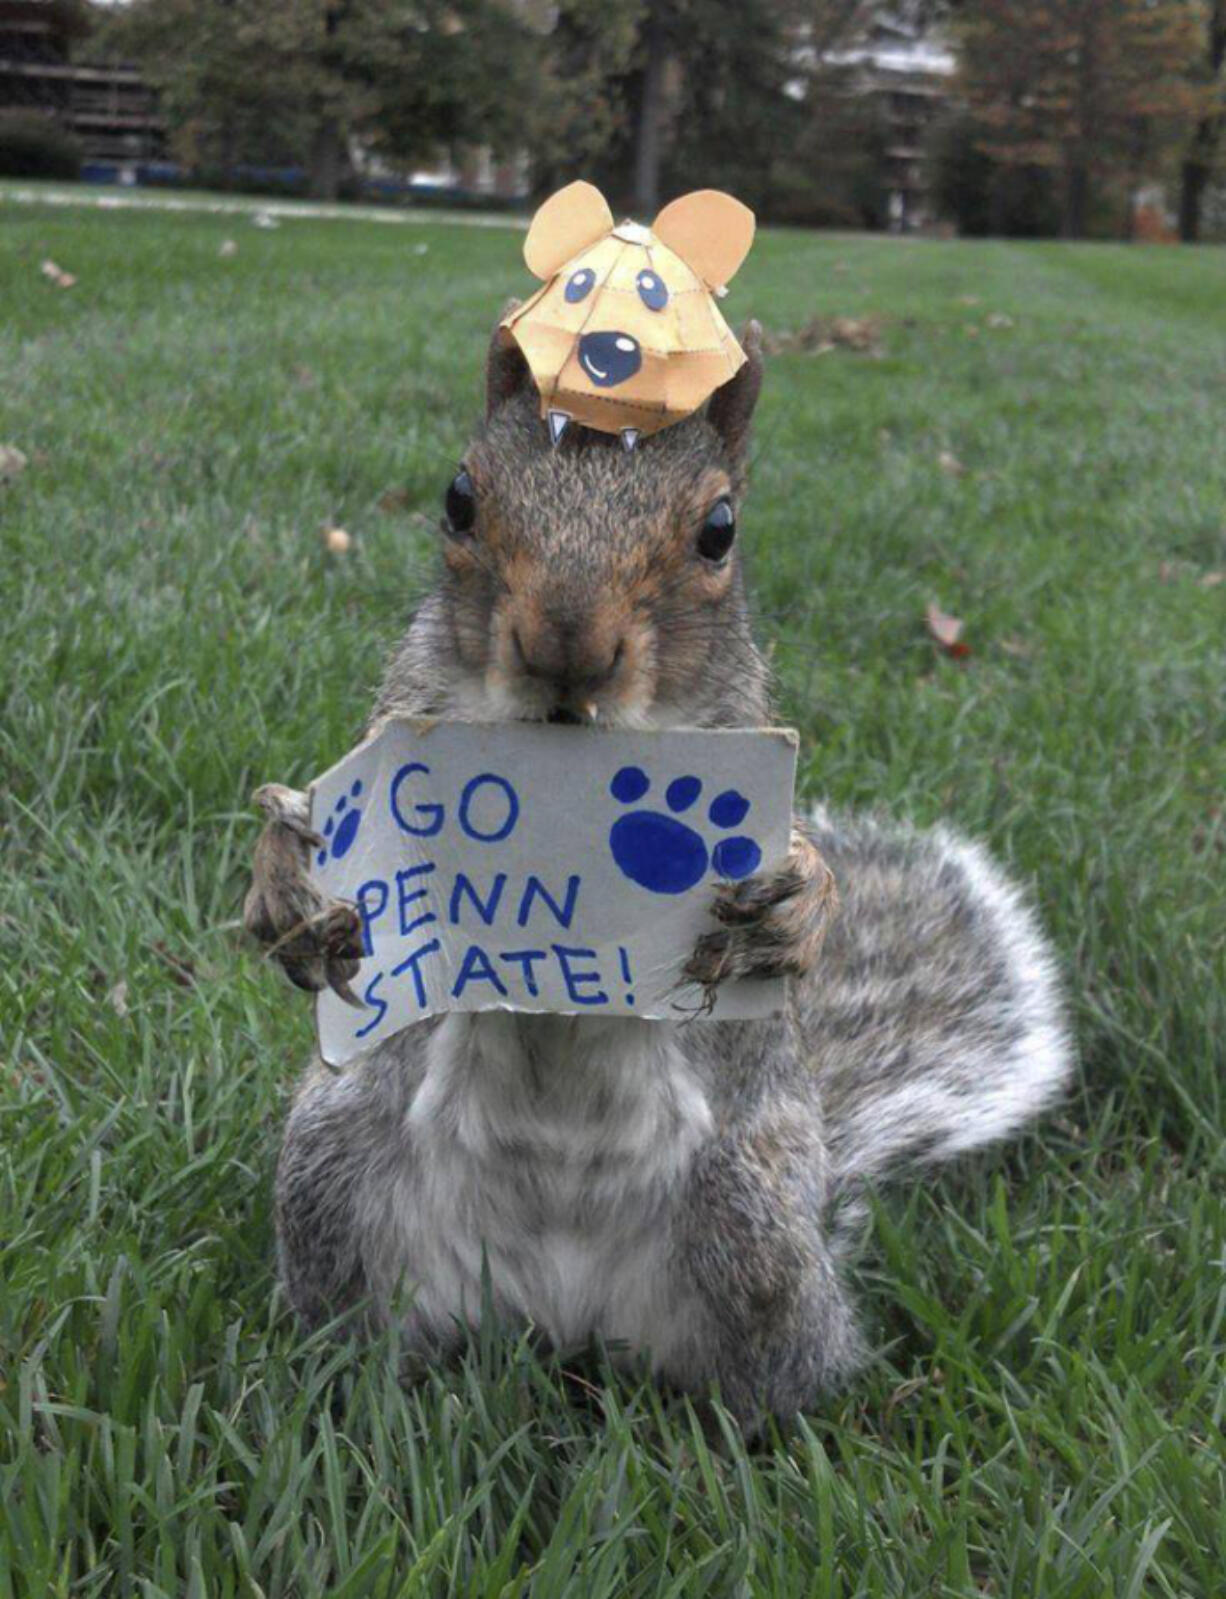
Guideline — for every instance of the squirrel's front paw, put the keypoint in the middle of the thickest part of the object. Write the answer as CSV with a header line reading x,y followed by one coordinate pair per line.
x,y
314,941
772,926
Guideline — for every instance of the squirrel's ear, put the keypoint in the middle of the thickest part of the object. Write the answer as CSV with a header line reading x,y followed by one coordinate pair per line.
x,y
710,231
568,222
730,408
506,371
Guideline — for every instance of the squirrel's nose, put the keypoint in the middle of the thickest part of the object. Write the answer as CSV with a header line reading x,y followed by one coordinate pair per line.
x,y
575,668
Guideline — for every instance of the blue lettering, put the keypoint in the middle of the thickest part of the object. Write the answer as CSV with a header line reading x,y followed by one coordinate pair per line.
x,y
534,889
405,899
433,814
477,967
368,913
411,963
486,909
572,979
370,997
471,789
524,958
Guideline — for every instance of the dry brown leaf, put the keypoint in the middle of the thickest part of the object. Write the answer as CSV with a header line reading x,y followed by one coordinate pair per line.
x,y
946,631
949,462
1173,571
824,333
337,541
12,462
1211,580
392,500
182,969
999,319
56,274
117,999
968,299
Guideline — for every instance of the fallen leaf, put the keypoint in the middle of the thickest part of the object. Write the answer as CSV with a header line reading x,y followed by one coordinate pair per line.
x,y
968,299
998,319
1016,647
821,334
181,969
949,462
12,462
56,274
117,999
1211,580
337,541
421,249
946,630
265,219
393,500
1172,571
228,248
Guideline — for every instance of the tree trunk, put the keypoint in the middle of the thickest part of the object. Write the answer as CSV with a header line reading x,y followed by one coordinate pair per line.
x,y
1198,163
1076,200
651,112
1193,179
325,159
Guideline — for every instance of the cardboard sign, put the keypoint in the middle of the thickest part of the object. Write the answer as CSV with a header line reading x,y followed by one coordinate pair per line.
x,y
626,335
539,868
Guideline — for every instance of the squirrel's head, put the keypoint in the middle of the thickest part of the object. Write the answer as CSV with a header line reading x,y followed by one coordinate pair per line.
x,y
587,583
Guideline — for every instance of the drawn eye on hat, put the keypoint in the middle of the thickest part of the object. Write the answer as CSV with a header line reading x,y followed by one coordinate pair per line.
x,y
652,291
579,285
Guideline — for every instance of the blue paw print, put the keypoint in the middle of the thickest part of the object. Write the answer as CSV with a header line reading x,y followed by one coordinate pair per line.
x,y
341,828
667,856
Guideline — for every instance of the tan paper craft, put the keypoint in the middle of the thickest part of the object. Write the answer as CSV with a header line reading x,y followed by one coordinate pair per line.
x,y
626,336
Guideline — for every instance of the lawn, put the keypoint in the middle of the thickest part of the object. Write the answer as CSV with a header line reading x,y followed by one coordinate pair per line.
x,y
1040,449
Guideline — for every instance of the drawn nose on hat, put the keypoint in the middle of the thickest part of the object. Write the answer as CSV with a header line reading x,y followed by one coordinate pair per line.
x,y
609,358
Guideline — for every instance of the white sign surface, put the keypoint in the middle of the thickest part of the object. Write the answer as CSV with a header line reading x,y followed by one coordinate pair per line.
x,y
542,868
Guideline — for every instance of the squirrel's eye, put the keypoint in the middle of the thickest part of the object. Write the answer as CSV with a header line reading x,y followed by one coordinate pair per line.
x,y
460,506
579,285
718,531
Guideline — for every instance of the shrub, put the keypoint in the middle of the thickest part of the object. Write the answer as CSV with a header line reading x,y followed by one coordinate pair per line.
x,y
982,197
34,145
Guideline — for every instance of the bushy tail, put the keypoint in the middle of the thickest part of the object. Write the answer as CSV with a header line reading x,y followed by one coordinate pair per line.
x,y
934,1018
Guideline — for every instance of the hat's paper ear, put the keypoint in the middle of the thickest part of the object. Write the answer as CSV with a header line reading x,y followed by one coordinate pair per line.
x,y
710,231
568,222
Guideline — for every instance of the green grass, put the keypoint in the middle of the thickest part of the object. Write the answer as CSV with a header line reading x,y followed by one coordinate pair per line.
x,y
1046,1415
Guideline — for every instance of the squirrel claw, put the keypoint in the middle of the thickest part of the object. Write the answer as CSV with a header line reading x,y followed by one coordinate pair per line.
x,y
290,808
770,926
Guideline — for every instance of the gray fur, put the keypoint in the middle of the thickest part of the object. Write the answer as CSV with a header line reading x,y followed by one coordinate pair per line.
x,y
683,1191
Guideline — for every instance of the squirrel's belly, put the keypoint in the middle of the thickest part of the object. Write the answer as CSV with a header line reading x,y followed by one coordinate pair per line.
x,y
553,1149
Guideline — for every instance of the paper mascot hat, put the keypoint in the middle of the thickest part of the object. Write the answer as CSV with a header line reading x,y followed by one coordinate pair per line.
x,y
626,336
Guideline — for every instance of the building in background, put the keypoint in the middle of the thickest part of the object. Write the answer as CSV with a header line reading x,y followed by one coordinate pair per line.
x,y
907,71
112,113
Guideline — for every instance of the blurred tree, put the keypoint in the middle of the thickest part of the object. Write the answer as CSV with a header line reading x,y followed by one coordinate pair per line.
x,y
579,107
722,91
295,81
1088,88
981,196
1207,136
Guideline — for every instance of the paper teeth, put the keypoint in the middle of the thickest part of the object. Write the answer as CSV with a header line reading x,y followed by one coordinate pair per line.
x,y
557,425
630,437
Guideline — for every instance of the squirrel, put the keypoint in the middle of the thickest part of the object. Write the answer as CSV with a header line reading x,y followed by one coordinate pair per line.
x,y
687,1192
